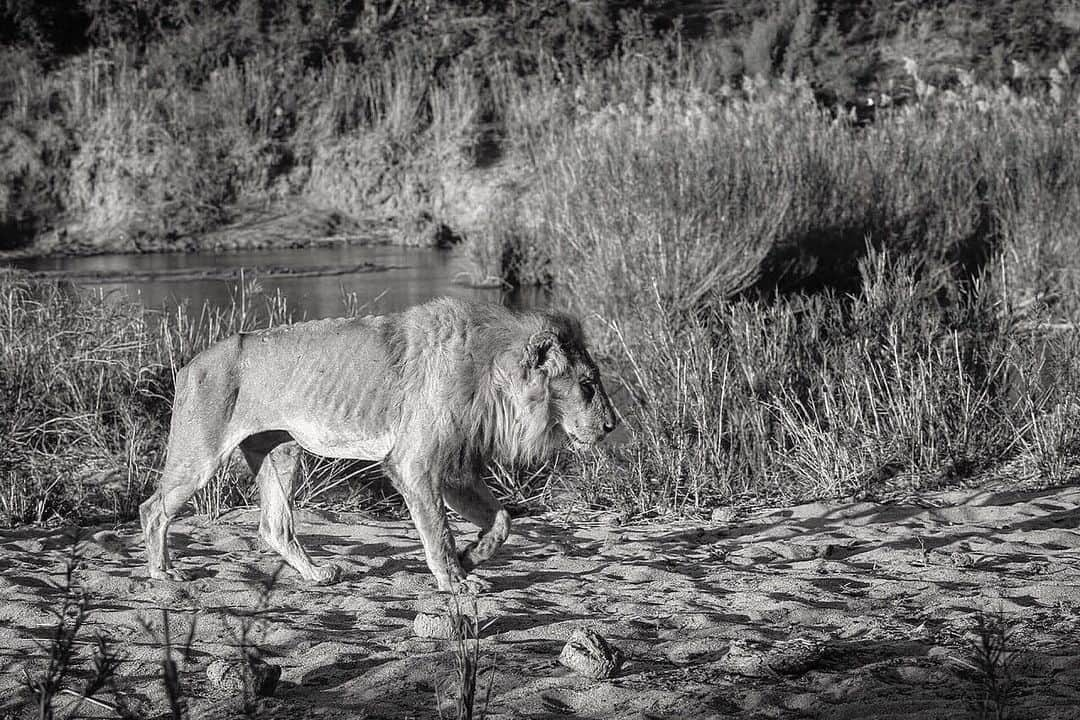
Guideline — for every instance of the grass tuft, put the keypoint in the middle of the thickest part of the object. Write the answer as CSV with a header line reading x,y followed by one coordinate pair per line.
x,y
991,666
465,645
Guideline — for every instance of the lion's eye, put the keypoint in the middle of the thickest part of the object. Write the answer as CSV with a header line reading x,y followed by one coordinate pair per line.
x,y
587,390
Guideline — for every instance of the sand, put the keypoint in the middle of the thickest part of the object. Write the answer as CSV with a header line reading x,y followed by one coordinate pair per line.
x,y
828,610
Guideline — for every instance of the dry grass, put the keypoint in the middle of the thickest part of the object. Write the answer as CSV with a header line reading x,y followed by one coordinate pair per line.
x,y
171,680
991,667
85,399
62,667
86,385
793,308
798,309
73,683
465,647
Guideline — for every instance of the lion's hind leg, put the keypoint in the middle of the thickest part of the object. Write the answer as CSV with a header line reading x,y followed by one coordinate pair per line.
x,y
187,469
200,437
276,471
472,499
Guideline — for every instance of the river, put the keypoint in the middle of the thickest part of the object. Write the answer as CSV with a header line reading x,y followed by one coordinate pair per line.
x,y
314,280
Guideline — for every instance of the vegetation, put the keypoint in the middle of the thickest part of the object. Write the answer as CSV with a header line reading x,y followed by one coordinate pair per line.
x,y
73,678
86,384
802,310
991,666
464,640
791,304
138,127
43,687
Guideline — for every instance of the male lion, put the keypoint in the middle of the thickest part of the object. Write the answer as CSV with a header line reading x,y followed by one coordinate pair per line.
x,y
434,393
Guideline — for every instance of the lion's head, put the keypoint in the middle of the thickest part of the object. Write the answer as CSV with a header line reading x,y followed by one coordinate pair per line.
x,y
545,392
558,367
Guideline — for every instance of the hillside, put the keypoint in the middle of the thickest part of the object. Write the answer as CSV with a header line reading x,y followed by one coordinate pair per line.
x,y
142,127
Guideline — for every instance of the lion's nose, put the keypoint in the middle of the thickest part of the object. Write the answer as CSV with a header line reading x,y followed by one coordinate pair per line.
x,y
609,423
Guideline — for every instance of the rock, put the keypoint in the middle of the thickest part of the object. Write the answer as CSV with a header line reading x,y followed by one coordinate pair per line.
x,y
963,559
610,519
798,552
791,657
588,654
109,541
31,545
443,626
745,659
794,657
261,678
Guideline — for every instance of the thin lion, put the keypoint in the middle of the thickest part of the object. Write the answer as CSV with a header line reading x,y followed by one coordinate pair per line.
x,y
434,393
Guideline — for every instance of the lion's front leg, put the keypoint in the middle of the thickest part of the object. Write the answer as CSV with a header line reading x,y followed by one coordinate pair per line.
x,y
472,499
422,492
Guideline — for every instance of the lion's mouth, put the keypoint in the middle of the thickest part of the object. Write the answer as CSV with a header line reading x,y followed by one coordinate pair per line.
x,y
576,443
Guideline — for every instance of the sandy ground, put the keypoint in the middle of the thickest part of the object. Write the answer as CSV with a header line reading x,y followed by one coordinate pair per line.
x,y
852,610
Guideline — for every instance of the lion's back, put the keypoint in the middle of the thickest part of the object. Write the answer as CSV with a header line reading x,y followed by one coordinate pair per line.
x,y
331,383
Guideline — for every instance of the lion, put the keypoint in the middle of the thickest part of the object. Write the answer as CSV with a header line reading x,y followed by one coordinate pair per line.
x,y
434,394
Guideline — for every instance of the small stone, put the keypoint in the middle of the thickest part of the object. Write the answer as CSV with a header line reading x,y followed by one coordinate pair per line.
x,y
745,659
109,541
963,559
723,514
611,519
939,653
261,678
794,657
588,654
32,545
225,675
794,552
791,657
443,626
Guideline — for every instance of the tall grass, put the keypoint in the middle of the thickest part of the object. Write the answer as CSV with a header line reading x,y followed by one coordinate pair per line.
x,y
45,686
84,400
149,153
886,392
794,307
86,384
799,309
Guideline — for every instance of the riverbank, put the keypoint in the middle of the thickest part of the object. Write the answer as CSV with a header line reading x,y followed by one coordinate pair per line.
x,y
225,127
97,277
283,225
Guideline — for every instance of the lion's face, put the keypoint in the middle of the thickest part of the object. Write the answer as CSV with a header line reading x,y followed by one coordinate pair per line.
x,y
559,364
580,404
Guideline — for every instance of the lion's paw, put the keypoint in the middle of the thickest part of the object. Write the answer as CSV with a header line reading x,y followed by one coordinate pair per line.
x,y
325,574
473,586
170,574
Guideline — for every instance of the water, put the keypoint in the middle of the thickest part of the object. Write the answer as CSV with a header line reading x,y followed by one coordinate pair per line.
x,y
393,278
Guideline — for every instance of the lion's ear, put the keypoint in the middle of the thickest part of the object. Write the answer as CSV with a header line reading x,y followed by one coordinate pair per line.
x,y
544,352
